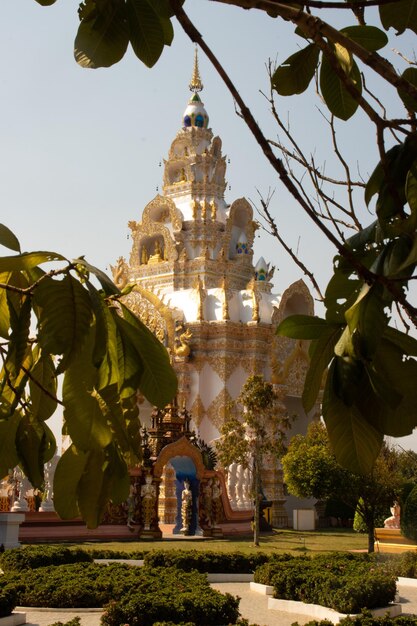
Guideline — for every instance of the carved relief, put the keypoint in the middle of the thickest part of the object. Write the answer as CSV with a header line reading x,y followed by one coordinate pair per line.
x,y
197,410
217,409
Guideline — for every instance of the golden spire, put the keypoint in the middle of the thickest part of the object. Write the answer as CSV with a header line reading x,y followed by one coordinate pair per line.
x,y
196,84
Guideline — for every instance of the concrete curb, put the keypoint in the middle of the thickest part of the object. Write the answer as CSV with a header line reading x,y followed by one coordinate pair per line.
x,y
322,612
15,619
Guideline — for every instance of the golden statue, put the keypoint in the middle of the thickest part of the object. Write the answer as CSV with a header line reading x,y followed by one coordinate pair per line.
x,y
195,206
213,206
144,256
203,210
182,342
156,257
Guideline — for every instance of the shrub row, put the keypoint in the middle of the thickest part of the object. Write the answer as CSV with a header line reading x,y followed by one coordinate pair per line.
x,y
207,562
130,595
32,557
346,583
366,619
8,599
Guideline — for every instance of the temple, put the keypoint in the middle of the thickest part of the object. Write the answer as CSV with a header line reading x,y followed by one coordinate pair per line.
x,y
200,290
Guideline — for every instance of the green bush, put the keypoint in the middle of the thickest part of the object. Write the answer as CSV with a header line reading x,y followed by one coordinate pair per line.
x,y
75,585
75,621
170,594
32,557
409,516
366,619
8,599
346,583
206,562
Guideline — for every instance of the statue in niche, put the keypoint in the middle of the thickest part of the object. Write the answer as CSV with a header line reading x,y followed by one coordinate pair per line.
x,y
182,177
144,256
186,508
148,495
131,507
231,483
185,151
156,257
394,520
203,210
213,206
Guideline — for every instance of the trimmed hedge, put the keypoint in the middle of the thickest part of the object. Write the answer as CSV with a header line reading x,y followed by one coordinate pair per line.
x,y
207,562
173,595
32,557
409,516
102,553
346,583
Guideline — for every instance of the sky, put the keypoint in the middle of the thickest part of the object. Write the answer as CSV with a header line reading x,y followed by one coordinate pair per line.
x,y
80,150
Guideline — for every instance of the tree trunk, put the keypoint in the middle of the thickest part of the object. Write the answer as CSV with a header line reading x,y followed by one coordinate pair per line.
x,y
371,538
256,483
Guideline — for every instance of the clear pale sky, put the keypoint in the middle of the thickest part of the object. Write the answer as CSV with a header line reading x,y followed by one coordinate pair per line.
x,y
80,149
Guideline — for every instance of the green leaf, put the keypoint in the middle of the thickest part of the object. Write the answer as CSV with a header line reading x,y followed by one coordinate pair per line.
x,y
377,178
43,387
400,15
35,445
85,422
365,236
321,353
115,416
46,3
302,327
27,260
295,74
130,366
147,34
19,337
9,239
337,98
367,317
158,382
355,442
410,74
70,468
65,315
107,284
102,41
369,37
406,343
4,307
105,477
8,452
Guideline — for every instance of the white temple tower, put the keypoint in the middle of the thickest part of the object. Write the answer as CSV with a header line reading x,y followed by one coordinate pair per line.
x,y
197,287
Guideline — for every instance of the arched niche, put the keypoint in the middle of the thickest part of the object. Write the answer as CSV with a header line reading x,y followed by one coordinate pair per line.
x,y
180,448
240,222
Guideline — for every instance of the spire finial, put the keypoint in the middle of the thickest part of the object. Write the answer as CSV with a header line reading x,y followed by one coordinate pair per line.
x,y
196,84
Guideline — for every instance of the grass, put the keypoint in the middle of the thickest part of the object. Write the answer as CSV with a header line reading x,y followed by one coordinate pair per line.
x,y
295,542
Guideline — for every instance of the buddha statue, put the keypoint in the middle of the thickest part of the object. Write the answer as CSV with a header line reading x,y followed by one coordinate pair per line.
x,y
156,257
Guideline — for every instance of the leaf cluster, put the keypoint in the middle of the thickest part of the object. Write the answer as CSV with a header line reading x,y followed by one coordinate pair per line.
x,y
338,581
59,324
108,26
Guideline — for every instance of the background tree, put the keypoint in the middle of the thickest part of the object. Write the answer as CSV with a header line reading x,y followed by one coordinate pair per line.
x,y
370,390
312,471
254,428
55,324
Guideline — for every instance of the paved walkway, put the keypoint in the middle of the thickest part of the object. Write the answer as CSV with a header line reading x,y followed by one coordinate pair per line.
x,y
253,606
